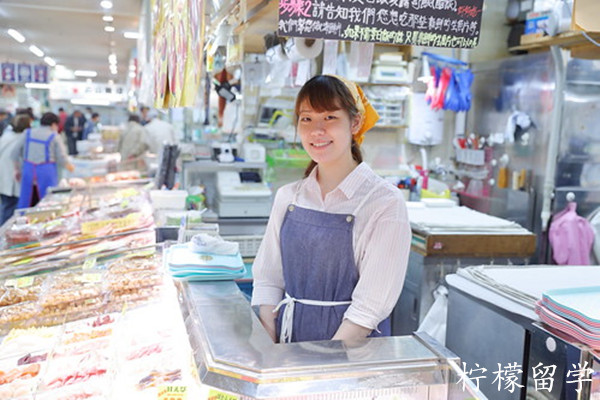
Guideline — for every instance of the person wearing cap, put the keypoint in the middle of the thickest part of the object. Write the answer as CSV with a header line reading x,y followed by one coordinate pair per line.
x,y
334,256
159,132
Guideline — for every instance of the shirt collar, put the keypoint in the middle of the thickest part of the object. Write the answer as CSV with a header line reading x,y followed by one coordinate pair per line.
x,y
348,186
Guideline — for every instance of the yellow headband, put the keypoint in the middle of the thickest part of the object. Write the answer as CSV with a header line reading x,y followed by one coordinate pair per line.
x,y
367,113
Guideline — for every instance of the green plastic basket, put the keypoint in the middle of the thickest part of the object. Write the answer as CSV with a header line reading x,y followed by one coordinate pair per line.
x,y
287,158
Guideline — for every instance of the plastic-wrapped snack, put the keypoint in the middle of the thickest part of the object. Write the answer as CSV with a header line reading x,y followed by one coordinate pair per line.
x,y
18,313
132,298
66,371
134,279
88,334
73,294
13,291
23,341
92,389
124,265
82,347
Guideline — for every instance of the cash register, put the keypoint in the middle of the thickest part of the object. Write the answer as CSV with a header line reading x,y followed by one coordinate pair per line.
x,y
242,194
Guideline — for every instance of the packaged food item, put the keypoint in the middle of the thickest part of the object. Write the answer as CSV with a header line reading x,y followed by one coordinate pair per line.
x,y
18,290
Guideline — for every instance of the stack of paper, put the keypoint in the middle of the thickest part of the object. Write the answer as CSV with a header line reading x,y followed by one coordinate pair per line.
x,y
186,264
575,312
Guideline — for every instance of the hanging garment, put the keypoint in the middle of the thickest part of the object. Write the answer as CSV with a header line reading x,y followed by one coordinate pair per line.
x,y
594,219
571,237
320,273
43,174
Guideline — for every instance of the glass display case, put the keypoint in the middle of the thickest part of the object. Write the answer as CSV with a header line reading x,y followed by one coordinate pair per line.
x,y
235,355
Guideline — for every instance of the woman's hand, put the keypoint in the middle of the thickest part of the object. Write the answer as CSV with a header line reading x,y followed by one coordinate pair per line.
x,y
348,330
267,318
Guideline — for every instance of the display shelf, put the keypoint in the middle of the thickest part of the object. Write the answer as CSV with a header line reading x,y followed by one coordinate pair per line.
x,y
566,39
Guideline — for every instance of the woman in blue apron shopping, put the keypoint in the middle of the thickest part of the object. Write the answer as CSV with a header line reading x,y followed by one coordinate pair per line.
x,y
37,159
334,256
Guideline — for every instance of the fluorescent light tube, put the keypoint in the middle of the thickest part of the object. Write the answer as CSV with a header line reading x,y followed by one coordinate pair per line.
x,y
36,50
85,73
16,35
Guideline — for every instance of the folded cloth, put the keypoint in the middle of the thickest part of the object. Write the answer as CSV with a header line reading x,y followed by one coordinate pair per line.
x,y
204,243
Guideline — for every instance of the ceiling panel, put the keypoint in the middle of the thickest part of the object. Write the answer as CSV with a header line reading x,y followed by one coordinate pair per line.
x,y
71,32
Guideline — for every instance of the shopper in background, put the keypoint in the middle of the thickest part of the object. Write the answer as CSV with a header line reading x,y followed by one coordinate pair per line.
x,y
92,125
159,132
74,130
334,256
10,188
4,120
62,119
37,157
144,115
88,113
133,144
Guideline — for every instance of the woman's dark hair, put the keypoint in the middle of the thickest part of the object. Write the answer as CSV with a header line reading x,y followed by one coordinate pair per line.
x,y
327,93
48,119
21,122
134,117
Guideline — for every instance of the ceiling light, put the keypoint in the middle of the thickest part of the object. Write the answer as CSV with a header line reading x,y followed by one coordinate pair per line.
x,y
86,73
109,28
132,67
112,58
90,102
60,66
106,4
50,61
111,82
16,35
108,18
132,74
30,85
36,50
113,71
132,35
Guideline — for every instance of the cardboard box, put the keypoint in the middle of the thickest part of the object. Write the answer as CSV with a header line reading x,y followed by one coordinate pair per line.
x,y
537,22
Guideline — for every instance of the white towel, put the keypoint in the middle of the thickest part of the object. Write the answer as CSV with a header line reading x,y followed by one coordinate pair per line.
x,y
204,243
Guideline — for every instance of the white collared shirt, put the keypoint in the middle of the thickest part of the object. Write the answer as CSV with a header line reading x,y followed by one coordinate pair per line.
x,y
381,242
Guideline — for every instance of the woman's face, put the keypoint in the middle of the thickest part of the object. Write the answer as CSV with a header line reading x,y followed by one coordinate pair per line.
x,y
326,136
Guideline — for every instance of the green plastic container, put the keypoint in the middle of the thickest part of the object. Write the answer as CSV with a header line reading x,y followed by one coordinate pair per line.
x,y
287,158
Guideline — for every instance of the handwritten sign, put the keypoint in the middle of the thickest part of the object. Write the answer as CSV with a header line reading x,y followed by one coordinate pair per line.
x,y
172,392
432,23
214,394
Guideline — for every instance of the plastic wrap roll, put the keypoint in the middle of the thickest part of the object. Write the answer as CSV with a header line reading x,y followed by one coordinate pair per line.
x,y
275,54
301,48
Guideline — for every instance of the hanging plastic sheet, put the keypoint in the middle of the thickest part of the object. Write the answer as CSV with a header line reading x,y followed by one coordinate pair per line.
x,y
450,86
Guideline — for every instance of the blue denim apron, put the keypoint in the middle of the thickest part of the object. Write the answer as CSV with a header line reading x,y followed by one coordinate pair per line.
x,y
43,174
319,272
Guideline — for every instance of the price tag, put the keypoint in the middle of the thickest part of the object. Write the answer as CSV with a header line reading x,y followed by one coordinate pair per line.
x,y
90,278
94,226
172,392
89,263
218,395
128,193
23,282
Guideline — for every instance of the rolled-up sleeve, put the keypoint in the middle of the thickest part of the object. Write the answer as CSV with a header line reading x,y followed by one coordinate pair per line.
x,y
382,267
267,271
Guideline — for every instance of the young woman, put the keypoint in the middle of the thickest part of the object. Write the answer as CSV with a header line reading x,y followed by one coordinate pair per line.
x,y
333,259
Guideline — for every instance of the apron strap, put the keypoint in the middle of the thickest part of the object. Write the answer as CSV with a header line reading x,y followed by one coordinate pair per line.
x,y
287,319
47,147
27,141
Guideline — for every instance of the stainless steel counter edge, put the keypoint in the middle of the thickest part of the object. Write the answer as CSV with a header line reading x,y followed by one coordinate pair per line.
x,y
233,352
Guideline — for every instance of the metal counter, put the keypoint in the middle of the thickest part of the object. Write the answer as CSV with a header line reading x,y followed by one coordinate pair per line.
x,y
233,353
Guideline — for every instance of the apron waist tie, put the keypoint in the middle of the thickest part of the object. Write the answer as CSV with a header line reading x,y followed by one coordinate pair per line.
x,y
287,319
